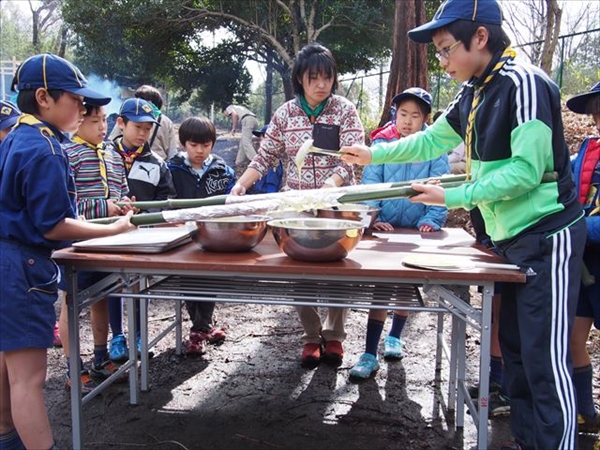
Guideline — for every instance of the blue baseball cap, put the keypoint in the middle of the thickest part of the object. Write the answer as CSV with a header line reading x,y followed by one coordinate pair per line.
x,y
261,132
137,110
484,11
415,93
578,103
49,71
9,114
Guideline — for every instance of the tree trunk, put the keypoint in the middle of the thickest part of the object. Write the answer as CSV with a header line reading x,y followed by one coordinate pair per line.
x,y
551,36
409,60
269,87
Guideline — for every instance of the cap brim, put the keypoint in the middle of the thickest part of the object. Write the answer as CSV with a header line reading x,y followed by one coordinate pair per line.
x,y
578,104
423,34
9,122
139,119
398,98
90,96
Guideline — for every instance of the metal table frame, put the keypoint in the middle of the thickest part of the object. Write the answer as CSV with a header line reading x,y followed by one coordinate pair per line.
x,y
137,279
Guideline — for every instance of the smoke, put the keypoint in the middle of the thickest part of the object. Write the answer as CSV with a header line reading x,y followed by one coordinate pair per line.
x,y
109,89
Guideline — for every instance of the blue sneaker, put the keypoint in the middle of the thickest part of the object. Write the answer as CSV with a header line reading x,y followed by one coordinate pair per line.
x,y
392,348
138,343
117,349
365,367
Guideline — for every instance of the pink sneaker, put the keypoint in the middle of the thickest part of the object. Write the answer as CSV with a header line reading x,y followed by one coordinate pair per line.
x,y
57,341
196,345
215,335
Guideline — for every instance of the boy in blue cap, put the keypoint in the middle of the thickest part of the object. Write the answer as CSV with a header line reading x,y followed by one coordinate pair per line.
x,y
509,115
148,177
37,215
9,113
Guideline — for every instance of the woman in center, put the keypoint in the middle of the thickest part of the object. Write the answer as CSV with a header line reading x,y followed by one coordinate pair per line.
x,y
332,121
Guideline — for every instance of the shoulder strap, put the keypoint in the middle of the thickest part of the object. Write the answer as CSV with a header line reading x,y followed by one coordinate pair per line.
x,y
151,141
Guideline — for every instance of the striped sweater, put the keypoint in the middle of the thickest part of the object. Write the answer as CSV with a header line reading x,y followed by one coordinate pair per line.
x,y
93,187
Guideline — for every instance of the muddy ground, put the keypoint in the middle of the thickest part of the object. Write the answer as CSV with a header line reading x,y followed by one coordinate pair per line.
x,y
251,393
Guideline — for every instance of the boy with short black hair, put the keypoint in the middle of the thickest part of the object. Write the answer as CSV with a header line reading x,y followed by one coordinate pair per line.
x,y
197,173
37,215
509,115
9,113
148,178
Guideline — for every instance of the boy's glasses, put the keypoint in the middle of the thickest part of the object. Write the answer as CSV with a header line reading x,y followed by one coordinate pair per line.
x,y
444,53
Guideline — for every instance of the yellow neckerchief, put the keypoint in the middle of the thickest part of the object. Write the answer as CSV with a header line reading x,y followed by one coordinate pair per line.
x,y
507,55
102,164
128,157
46,131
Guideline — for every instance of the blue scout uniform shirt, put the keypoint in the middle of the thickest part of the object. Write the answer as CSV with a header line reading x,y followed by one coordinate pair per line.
x,y
37,190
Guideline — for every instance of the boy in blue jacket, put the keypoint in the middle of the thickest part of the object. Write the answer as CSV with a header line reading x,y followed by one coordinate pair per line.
x,y
197,173
509,115
410,113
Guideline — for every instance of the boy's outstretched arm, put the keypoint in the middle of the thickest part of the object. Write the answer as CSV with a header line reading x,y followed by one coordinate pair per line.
x,y
356,154
430,194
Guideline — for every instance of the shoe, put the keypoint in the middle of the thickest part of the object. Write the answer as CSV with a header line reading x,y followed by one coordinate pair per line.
x,y
474,390
138,346
499,405
106,369
216,336
366,366
311,355
87,383
392,348
588,424
117,349
57,342
196,345
334,353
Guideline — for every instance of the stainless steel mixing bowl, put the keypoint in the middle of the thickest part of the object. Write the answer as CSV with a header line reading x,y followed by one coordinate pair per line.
x,y
230,234
316,239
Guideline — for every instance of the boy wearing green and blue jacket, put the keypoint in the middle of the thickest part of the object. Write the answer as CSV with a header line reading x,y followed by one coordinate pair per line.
x,y
509,115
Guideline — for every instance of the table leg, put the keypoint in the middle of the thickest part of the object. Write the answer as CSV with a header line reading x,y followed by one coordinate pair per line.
x,y
145,365
178,333
452,370
74,369
461,332
133,383
484,364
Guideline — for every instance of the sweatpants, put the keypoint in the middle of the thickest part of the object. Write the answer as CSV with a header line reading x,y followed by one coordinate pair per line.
x,y
332,330
535,324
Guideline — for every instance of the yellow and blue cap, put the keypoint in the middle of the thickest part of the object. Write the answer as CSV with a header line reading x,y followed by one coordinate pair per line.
x,y
49,71
484,11
138,110
9,114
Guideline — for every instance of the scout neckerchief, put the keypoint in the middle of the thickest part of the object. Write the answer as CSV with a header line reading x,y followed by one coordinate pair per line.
x,y
128,157
507,55
99,149
29,119
310,112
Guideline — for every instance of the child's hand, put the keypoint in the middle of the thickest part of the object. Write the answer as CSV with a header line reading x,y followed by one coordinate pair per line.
x,y
426,228
430,194
114,210
356,154
124,223
383,226
128,207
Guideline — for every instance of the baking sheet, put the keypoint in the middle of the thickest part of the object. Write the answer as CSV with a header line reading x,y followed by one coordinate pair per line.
x,y
141,240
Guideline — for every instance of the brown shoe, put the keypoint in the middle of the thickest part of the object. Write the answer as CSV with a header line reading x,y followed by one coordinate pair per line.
x,y
334,353
311,355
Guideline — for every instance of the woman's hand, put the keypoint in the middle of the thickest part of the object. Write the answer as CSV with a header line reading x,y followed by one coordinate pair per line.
x,y
356,154
238,189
